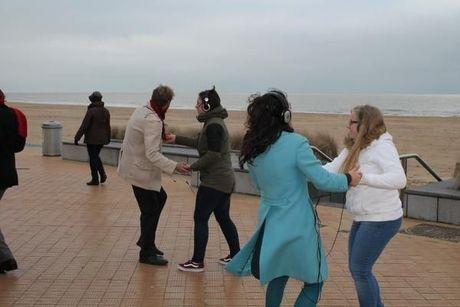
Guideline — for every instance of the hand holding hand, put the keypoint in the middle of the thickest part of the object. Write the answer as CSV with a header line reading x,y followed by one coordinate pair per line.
x,y
170,138
356,176
182,168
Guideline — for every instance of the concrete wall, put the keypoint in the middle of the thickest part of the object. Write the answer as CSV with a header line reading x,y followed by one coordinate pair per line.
x,y
243,182
109,156
435,202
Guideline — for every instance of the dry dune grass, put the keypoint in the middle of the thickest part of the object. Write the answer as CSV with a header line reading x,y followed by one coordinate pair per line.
x,y
117,132
321,140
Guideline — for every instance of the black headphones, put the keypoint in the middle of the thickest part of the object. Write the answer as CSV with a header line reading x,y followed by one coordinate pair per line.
x,y
286,113
206,105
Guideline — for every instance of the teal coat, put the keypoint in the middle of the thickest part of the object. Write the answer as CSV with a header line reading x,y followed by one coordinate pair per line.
x,y
290,245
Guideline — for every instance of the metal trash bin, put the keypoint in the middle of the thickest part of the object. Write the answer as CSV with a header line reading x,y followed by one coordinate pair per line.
x,y
52,138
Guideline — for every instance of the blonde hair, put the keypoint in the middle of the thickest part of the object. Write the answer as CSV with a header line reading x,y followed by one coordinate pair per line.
x,y
370,127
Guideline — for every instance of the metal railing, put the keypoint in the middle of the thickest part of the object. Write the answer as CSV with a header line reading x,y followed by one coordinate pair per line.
x,y
322,154
422,162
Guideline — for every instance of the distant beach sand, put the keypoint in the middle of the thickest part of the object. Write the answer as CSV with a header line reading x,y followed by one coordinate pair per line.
x,y
435,139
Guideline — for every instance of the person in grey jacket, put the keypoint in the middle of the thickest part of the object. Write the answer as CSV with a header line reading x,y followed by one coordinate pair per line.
x,y
216,176
96,128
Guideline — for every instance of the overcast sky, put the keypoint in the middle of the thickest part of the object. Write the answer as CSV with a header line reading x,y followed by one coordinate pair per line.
x,y
371,46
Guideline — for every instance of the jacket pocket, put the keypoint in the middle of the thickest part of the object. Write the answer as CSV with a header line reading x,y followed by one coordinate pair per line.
x,y
144,164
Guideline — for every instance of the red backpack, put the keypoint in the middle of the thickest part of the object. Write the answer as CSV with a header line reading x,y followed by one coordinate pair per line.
x,y
22,122
21,134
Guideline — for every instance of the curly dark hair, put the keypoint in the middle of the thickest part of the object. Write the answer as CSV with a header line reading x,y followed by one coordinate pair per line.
x,y
264,125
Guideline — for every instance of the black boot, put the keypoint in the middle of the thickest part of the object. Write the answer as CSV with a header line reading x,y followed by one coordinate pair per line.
x,y
102,174
93,182
103,177
155,249
148,257
8,265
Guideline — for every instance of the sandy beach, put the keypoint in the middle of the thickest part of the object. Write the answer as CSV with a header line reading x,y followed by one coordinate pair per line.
x,y
435,139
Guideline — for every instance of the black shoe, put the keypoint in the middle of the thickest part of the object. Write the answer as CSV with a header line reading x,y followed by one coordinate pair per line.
x,y
92,182
153,260
8,265
103,177
154,250
157,251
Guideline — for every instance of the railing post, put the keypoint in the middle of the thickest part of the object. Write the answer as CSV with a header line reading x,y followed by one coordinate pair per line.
x,y
402,191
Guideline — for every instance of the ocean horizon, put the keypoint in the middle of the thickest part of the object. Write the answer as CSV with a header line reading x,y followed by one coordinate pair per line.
x,y
420,105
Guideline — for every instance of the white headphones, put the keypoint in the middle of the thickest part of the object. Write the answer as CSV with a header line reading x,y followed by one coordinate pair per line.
x,y
286,113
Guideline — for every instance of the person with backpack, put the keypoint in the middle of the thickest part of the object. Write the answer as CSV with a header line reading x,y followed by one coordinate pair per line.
x,y
12,140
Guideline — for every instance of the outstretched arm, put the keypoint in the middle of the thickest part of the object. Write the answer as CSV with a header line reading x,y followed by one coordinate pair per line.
x,y
316,174
214,136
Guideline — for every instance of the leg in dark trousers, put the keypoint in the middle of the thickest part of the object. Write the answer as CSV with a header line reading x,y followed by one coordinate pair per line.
x,y
222,214
95,162
209,200
7,261
151,204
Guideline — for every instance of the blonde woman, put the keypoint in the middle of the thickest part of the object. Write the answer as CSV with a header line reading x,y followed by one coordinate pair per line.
x,y
374,203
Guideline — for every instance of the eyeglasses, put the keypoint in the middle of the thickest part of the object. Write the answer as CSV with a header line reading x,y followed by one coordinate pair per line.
x,y
351,122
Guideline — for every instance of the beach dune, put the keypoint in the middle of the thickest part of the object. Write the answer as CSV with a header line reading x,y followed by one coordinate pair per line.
x,y
435,139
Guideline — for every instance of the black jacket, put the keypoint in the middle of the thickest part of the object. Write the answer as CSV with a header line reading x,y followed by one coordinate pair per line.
x,y
95,125
8,146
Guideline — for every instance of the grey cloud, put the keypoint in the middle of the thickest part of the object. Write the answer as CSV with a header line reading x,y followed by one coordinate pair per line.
x,y
303,46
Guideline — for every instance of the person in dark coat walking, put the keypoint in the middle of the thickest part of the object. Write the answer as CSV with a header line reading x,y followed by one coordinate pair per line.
x,y
96,128
8,173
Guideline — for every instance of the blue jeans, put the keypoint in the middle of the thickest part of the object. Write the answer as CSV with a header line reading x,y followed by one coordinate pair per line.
x,y
365,244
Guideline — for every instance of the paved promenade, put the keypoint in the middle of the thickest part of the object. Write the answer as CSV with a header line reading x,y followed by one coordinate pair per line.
x,y
76,246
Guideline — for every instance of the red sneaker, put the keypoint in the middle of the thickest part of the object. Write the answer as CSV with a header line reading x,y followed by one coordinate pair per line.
x,y
191,266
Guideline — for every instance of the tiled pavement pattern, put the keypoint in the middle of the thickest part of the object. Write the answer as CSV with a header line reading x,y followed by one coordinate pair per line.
x,y
75,245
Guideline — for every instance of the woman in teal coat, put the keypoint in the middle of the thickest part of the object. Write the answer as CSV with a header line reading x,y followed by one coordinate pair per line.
x,y
286,242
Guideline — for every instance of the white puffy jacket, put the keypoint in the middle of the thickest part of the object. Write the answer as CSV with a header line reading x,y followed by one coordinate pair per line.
x,y
376,198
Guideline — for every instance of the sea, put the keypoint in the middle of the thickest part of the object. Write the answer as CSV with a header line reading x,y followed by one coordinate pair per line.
x,y
390,104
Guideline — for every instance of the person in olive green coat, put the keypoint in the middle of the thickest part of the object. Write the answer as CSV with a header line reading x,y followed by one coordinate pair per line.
x,y
216,176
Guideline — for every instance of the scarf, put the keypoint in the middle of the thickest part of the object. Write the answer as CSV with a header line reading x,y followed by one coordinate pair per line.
x,y
2,98
161,114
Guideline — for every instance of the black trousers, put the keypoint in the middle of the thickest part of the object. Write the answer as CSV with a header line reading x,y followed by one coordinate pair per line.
x,y
5,252
95,162
209,200
151,204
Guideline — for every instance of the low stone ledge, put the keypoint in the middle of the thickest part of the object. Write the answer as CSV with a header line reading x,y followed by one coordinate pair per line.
x,y
243,183
436,202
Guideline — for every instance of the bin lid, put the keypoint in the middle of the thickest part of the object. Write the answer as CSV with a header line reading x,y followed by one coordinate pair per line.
x,y
51,125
